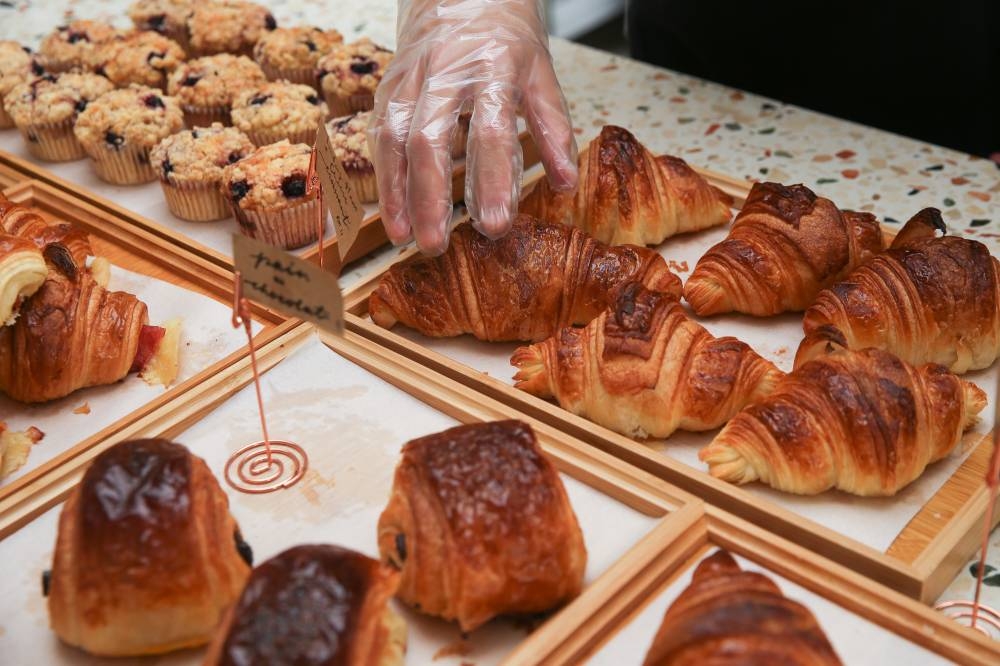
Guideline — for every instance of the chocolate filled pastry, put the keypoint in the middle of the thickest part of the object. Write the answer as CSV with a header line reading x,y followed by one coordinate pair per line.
x,y
728,616
479,525
525,286
65,247
22,272
313,605
148,557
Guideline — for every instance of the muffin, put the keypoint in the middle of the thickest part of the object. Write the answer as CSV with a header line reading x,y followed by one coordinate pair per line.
x,y
190,164
46,107
349,74
143,57
293,53
279,110
167,17
206,87
16,66
350,145
71,46
227,26
120,128
271,195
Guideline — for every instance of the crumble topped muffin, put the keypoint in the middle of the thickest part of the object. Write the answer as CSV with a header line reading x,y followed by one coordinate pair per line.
x,y
272,197
120,128
349,74
72,45
206,86
292,53
143,57
45,108
350,146
167,17
190,165
227,26
17,64
279,110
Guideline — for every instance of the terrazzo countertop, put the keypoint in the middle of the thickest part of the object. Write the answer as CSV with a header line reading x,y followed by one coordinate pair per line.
x,y
709,125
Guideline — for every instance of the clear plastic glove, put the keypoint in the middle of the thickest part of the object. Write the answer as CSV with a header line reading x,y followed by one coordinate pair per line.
x,y
487,56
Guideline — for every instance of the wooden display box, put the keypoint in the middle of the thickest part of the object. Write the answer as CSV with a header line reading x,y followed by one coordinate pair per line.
x,y
924,555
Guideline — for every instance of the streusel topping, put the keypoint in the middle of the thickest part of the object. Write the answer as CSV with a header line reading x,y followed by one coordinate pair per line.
x,y
214,81
354,68
72,45
291,48
272,177
199,155
51,99
16,65
350,143
279,105
163,16
144,57
137,116
228,26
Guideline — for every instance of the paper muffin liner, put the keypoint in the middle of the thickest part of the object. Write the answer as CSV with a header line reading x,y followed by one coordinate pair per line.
x,y
346,105
287,228
196,202
204,116
365,184
126,166
53,142
267,137
303,75
6,121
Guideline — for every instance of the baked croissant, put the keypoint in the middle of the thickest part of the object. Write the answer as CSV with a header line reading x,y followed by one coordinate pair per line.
x,y
728,616
644,369
525,286
863,422
926,299
65,246
628,195
148,557
479,525
313,605
22,272
785,245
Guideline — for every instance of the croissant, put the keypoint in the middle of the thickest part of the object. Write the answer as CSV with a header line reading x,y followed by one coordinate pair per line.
x,y
926,299
65,246
313,605
525,286
148,557
22,272
628,195
644,369
863,422
785,245
728,616
479,525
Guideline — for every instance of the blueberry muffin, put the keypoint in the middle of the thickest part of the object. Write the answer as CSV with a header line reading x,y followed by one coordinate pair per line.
x,y
206,87
17,64
350,145
120,128
227,26
71,46
293,53
144,57
46,107
349,74
279,110
167,17
190,165
272,195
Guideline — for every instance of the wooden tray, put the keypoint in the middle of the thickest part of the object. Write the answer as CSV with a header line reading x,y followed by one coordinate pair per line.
x,y
144,205
923,557
140,252
621,509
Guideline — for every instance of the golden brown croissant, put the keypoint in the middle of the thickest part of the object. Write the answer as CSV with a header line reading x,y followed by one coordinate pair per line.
x,y
313,605
148,557
22,272
525,286
628,195
926,299
644,369
479,525
66,247
863,422
731,617
785,245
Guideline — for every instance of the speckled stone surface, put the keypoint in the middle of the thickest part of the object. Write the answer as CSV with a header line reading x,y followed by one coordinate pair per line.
x,y
711,126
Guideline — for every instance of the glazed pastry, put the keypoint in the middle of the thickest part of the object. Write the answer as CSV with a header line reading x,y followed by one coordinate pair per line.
x,y
22,272
479,525
15,447
628,195
644,369
526,286
65,247
926,299
313,605
730,616
863,422
148,557
785,245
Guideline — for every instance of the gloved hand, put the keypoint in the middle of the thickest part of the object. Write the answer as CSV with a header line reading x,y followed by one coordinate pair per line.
x,y
487,56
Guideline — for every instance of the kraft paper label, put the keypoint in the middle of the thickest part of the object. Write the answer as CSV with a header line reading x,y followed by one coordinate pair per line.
x,y
341,199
